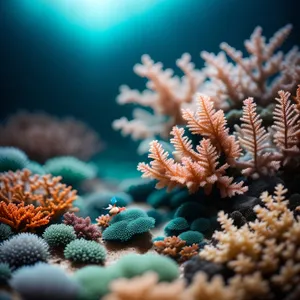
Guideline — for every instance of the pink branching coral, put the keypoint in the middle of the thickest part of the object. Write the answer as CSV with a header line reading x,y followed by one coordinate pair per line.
x,y
166,95
260,75
83,227
270,246
43,136
200,168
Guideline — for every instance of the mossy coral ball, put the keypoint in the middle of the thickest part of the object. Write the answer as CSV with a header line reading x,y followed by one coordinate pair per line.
x,y
176,226
58,235
84,251
191,237
12,159
23,249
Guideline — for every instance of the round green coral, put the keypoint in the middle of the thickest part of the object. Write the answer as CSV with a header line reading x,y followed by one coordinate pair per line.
x,y
35,168
5,273
202,225
85,251
5,232
157,216
59,235
72,170
95,281
12,159
127,224
176,226
23,249
133,265
191,237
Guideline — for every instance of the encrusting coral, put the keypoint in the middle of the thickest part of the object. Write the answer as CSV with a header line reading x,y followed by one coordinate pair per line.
x,y
30,201
42,136
166,96
199,168
265,251
260,75
83,226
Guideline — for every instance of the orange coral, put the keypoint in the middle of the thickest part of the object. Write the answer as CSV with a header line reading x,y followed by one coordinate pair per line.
x,y
44,195
188,252
170,246
198,168
21,217
103,221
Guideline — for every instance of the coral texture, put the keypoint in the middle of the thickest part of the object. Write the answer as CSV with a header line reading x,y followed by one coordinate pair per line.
x,y
24,249
103,221
5,232
84,251
30,201
12,159
43,136
57,235
260,75
199,168
83,227
266,250
166,96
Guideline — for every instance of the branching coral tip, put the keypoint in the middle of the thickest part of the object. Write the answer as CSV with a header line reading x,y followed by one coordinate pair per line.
x,y
113,209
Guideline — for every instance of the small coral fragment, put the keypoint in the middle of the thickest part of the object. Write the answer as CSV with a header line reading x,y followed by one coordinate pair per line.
x,y
103,221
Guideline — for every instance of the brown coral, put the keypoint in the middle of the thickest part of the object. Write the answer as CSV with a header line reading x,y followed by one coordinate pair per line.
x,y
270,245
42,136
103,220
170,246
47,196
82,226
188,252
199,168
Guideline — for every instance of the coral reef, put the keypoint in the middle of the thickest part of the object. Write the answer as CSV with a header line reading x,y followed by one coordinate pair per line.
x,y
84,251
43,136
23,249
43,281
72,170
127,224
166,96
199,168
83,227
191,237
260,75
12,159
30,201
58,235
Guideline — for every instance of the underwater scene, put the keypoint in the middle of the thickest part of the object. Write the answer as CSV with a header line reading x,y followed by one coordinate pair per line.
x,y
149,150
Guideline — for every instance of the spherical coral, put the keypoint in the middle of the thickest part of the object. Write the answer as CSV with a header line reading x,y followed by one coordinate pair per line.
x,y
191,211
85,251
5,273
72,170
5,232
191,237
176,226
59,235
35,168
95,281
44,281
23,249
127,224
96,203
133,265
12,159
202,225
156,215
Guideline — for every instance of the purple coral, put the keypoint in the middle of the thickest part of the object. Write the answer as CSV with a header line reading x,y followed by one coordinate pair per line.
x,y
82,226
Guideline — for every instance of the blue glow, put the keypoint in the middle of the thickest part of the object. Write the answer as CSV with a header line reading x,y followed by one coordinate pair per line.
x,y
96,14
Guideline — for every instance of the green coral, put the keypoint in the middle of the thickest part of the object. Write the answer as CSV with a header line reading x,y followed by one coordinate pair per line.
x,y
57,235
127,224
139,189
72,170
85,251
176,226
202,225
95,281
157,216
191,237
133,265
35,168
5,273
191,211
12,159
5,232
